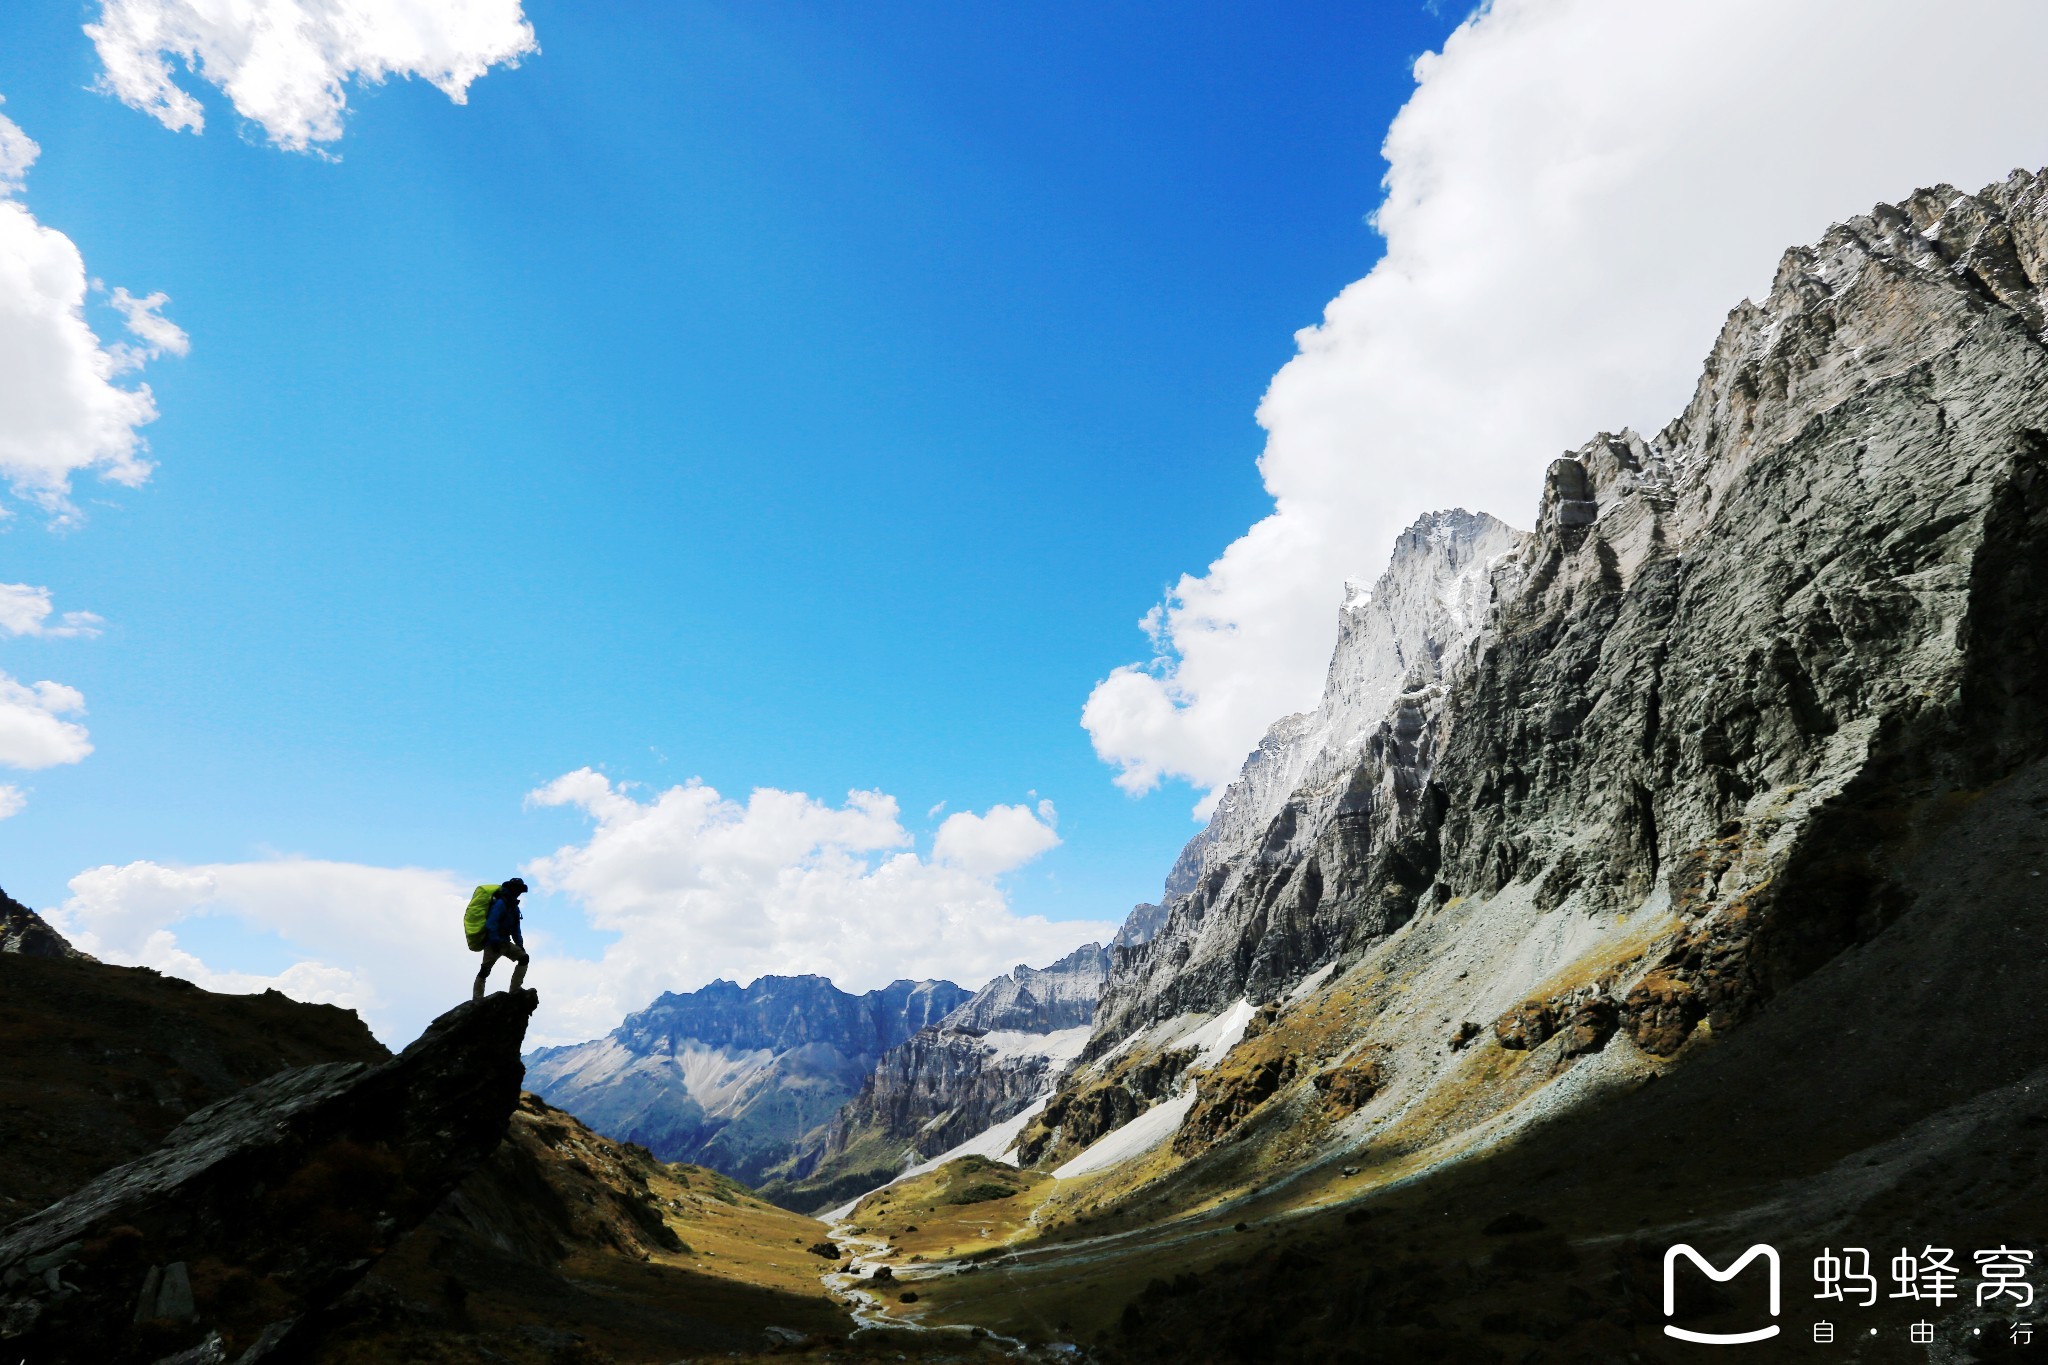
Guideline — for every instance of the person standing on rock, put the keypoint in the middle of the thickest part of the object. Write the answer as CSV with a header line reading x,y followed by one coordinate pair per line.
x,y
502,936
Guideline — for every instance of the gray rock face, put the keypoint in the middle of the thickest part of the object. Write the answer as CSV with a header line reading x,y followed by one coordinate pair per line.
x,y
1140,926
284,1193
734,1078
23,931
1398,638
1310,781
1726,659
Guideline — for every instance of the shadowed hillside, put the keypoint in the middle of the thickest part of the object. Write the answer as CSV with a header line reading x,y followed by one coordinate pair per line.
x,y
97,1063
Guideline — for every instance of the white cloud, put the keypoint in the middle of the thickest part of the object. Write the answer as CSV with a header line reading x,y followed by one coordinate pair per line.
x,y
144,318
12,799
698,886
285,64
60,411
32,731
1577,193
18,152
1005,839
25,610
694,886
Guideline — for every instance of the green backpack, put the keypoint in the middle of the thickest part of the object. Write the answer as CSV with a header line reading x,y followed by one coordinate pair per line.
x,y
479,910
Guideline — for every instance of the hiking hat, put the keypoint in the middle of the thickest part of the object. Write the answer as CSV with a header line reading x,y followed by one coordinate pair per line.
x,y
515,886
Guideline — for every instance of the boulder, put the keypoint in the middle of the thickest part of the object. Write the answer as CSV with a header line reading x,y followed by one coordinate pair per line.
x,y
1661,1012
1526,1026
1230,1092
1592,1021
1346,1088
260,1210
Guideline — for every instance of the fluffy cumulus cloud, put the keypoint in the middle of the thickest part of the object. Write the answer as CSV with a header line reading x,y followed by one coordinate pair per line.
x,y
1577,192
385,942
690,886
33,731
1006,837
698,886
61,411
286,65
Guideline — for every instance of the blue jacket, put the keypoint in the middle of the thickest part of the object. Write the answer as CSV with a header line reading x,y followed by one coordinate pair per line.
x,y
502,922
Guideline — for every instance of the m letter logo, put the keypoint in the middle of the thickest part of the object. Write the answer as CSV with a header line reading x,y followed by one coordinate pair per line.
x,y
1770,1255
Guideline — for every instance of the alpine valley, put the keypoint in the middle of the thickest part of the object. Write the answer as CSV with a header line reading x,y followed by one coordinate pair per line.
x,y
1668,873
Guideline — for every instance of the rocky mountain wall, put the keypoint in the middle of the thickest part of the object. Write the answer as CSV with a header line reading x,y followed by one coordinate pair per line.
x,y
783,1013
1401,635
1725,658
1038,1000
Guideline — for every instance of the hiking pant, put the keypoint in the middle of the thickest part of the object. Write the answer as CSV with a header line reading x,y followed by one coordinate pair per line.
x,y
492,953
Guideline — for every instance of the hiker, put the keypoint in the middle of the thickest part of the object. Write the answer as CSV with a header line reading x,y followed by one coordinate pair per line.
x,y
497,935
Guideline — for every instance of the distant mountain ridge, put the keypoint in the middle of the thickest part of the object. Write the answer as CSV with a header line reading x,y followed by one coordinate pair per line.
x,y
984,1062
735,1077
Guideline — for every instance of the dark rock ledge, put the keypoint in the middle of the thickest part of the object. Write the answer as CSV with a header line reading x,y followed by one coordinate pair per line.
x,y
257,1212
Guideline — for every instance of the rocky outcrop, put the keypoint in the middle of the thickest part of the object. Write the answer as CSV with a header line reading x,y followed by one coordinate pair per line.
x,y
1347,1088
1229,1095
25,932
1099,1103
262,1209
736,1078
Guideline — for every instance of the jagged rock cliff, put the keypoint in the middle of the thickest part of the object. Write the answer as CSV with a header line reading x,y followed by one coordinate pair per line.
x,y
734,1078
1141,924
260,1210
1310,785
1694,900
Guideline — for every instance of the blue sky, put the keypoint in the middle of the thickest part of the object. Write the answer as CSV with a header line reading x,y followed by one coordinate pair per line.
x,y
778,394
809,400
